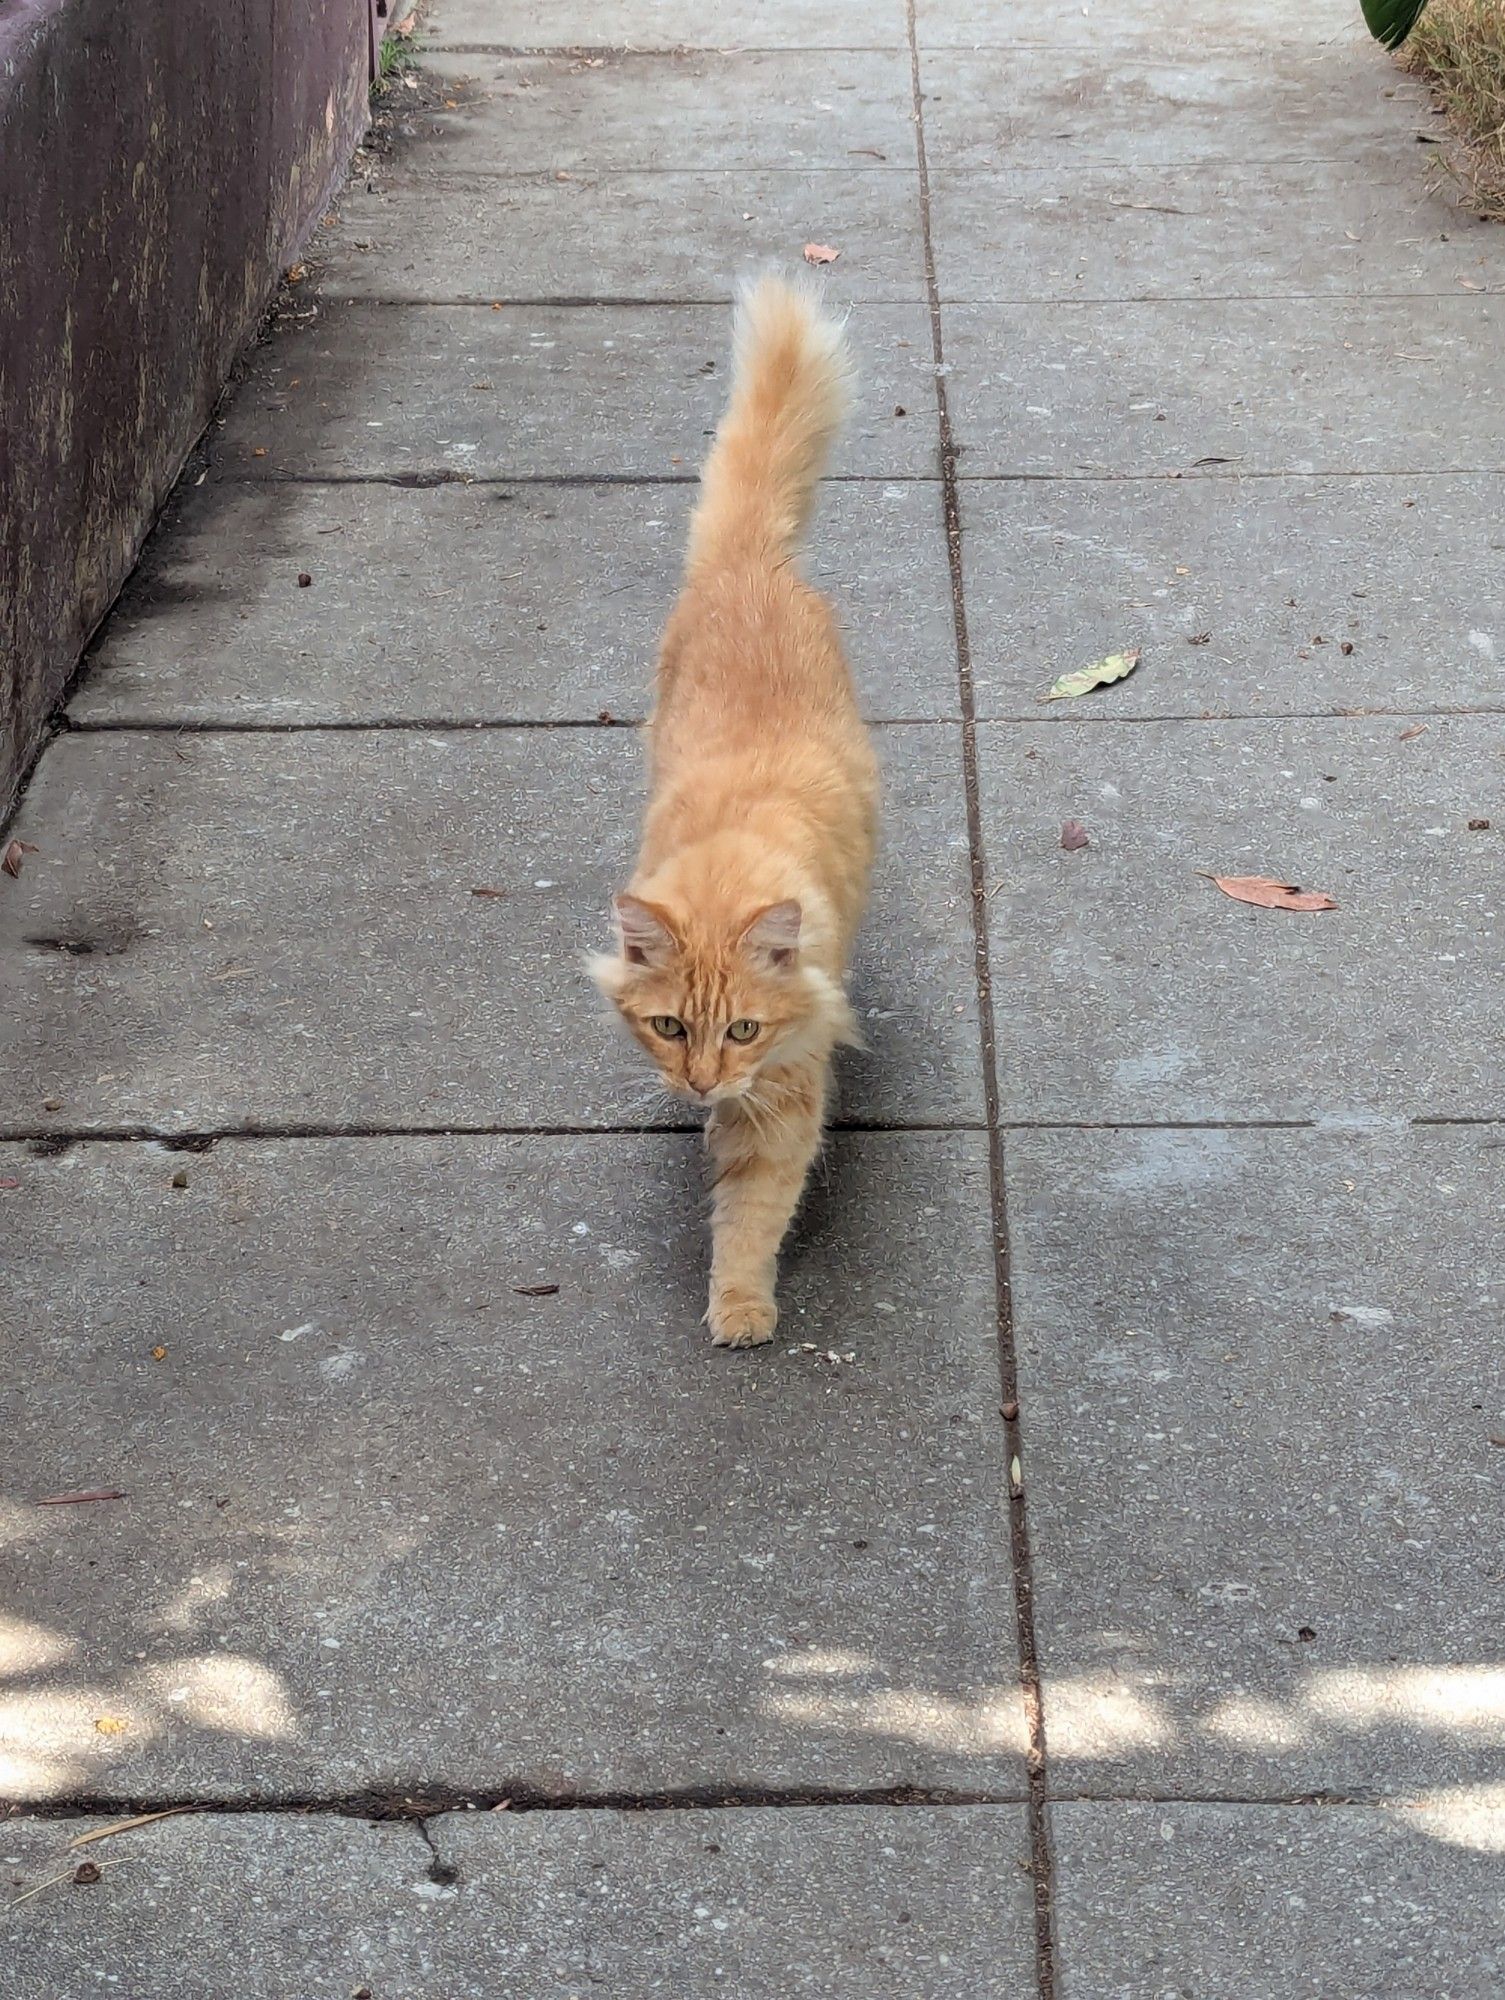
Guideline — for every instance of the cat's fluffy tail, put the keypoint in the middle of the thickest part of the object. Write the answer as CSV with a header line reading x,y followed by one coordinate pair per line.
x,y
791,388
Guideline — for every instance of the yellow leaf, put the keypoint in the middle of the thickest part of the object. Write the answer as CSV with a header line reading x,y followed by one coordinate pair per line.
x,y
1085,679
110,1725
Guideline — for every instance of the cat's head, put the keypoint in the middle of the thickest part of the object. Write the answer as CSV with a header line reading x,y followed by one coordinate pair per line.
x,y
713,1003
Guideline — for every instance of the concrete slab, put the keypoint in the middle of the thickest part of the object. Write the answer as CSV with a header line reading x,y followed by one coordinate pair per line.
x,y
1278,1902
1400,571
701,109
1168,27
1213,388
1262,1389
479,603
391,391
270,930
828,1904
1191,232
1097,106
392,1525
664,24
1127,988
662,236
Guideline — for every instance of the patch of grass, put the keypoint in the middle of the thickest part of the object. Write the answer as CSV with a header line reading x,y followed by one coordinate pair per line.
x,y
397,57
1459,47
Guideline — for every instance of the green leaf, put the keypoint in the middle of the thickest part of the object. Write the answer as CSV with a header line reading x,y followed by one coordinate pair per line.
x,y
1085,679
1390,21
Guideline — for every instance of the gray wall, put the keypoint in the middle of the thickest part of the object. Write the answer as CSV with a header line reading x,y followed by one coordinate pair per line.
x,y
160,161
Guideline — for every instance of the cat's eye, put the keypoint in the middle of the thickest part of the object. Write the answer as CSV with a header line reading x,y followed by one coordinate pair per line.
x,y
666,1025
743,1031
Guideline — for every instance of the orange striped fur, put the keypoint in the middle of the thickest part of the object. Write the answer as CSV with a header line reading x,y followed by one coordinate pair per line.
x,y
735,932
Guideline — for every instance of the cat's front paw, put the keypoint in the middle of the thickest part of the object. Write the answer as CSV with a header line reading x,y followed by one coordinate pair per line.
x,y
737,1320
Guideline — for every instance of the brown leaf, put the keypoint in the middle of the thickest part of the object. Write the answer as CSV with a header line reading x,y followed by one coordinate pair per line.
x,y
535,1291
1197,638
1269,894
1346,647
304,579
74,1499
1074,836
820,253
15,854
1478,826
488,892
1410,735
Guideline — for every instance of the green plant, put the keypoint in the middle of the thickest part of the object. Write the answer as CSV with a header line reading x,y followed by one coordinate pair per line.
x,y
1390,21
397,56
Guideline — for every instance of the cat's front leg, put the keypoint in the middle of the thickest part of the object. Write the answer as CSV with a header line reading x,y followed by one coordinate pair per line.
x,y
762,1155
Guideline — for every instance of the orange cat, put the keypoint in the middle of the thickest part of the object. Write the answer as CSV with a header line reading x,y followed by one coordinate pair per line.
x,y
734,934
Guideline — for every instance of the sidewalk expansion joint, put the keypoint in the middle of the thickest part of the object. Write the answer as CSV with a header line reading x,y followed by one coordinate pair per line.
x,y
673,51
356,725
45,1141
1041,1861
49,1141
632,302
426,1801
235,475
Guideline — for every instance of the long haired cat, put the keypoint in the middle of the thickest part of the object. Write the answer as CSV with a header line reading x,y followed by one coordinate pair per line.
x,y
734,934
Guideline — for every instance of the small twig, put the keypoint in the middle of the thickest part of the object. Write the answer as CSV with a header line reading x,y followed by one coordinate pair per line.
x,y
125,1825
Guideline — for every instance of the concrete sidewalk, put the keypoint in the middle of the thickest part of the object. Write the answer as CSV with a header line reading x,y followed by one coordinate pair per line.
x,y
334,1241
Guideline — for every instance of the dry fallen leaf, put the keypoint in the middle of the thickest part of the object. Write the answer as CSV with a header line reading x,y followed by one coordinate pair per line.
x,y
1269,894
1099,674
75,1499
488,892
110,1725
1410,735
9,1181
535,1291
159,1354
1074,836
14,854
820,253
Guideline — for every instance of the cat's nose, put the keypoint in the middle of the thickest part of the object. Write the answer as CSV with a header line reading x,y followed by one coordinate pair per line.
x,y
702,1082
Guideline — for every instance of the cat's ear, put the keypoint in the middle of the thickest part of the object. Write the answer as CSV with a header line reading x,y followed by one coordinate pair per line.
x,y
646,934
773,935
